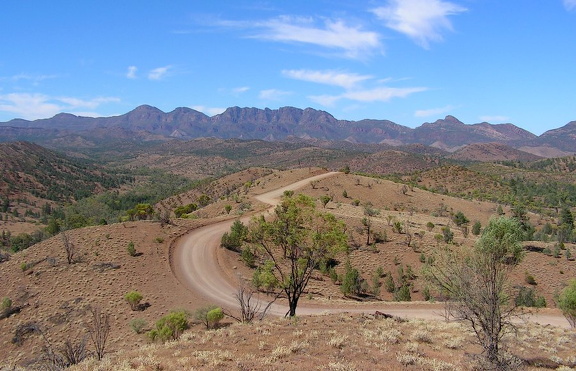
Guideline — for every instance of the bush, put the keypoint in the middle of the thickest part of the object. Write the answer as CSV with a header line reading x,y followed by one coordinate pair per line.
x,y
131,249
430,226
138,325
527,298
133,298
476,228
403,293
530,279
352,282
170,327
248,257
5,304
389,283
209,315
234,239
214,317
567,303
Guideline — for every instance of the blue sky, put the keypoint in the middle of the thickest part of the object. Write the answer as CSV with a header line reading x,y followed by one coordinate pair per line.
x,y
409,61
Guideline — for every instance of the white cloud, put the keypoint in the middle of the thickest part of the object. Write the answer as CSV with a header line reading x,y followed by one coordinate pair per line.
x,y
273,94
381,94
495,118
159,73
325,100
378,94
421,20
131,73
210,111
36,106
353,41
240,90
570,4
345,80
433,111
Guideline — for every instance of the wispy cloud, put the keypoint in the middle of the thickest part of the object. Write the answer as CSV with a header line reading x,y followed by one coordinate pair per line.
x,y
378,94
210,111
35,106
159,73
423,21
131,73
273,94
349,41
433,111
495,118
342,79
570,4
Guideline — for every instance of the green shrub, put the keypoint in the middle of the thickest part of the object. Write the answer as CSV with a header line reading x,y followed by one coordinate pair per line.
x,y
403,293
476,228
389,283
352,282
430,226
133,298
209,315
356,202
131,249
170,327
527,298
214,317
567,302
530,279
264,277
248,257
5,304
138,325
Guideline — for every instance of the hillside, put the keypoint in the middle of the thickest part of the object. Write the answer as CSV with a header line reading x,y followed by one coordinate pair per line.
x,y
56,296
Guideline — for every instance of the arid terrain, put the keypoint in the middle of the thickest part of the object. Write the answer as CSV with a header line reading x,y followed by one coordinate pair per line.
x,y
55,295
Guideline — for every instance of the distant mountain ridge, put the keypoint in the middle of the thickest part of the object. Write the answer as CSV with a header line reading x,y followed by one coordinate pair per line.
x,y
146,123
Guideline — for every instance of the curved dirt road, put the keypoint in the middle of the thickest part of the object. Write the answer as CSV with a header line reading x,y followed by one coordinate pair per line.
x,y
196,266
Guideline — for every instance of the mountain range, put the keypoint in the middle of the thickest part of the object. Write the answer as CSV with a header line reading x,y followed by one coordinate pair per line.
x,y
147,123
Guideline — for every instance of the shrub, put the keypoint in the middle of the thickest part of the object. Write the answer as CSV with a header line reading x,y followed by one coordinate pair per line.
x,y
567,303
356,202
430,226
389,283
170,327
131,249
460,219
352,283
529,279
5,304
527,298
248,257
447,234
476,228
234,239
403,293
209,315
214,317
133,298
138,325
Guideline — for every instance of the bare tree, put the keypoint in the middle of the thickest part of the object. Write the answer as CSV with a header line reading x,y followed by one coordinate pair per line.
x,y
475,282
250,306
69,247
99,329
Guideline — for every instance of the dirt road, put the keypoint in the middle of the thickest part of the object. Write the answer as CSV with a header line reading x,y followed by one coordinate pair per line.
x,y
196,266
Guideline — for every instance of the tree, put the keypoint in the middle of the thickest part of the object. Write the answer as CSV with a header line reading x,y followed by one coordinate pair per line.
x,y
460,219
475,281
325,199
296,241
133,298
567,303
99,329
69,248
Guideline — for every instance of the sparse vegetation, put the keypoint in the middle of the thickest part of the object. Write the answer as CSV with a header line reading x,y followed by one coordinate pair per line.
x,y
567,303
